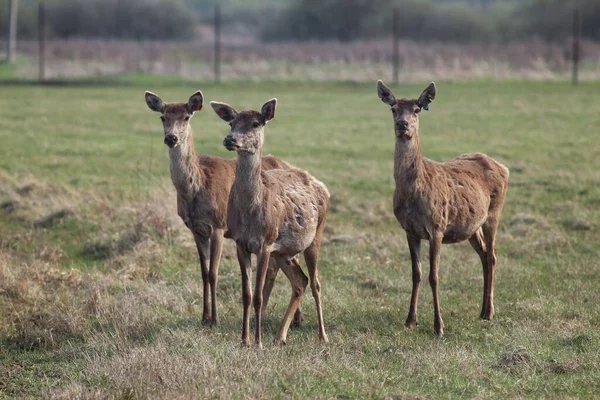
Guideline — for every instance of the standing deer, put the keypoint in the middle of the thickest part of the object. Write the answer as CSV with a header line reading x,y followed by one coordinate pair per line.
x,y
203,185
443,202
276,213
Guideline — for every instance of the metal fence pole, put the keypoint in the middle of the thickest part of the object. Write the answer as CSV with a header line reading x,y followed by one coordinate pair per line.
x,y
576,55
217,43
42,41
395,42
11,33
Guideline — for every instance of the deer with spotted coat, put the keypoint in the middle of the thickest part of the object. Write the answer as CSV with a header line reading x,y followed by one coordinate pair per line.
x,y
450,202
203,185
274,214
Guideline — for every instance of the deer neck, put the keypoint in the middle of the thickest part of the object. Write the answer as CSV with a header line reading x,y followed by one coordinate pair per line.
x,y
408,166
248,185
185,172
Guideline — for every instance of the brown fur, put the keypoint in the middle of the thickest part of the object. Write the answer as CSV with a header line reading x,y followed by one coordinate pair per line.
x,y
203,185
278,213
443,202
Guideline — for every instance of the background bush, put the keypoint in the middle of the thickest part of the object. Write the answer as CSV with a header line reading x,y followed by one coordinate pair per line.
x,y
345,20
133,19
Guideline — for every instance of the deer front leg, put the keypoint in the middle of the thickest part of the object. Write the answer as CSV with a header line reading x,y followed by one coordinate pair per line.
x,y
202,246
261,273
216,248
489,233
435,245
414,245
244,259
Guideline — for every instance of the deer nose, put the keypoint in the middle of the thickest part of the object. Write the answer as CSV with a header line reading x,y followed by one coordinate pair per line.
x,y
170,140
402,125
230,142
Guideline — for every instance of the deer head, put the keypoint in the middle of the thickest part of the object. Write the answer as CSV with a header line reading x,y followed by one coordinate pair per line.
x,y
175,117
406,111
247,127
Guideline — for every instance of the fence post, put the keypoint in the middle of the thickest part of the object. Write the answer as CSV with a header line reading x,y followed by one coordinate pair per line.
x,y
42,41
395,41
576,55
217,43
11,32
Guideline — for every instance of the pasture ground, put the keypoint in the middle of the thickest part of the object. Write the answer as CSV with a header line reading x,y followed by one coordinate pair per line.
x,y
99,280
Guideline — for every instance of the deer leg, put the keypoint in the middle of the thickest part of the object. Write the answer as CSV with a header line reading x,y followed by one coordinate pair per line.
x,y
261,273
203,252
435,245
311,256
478,244
216,248
414,245
299,281
489,235
274,266
245,261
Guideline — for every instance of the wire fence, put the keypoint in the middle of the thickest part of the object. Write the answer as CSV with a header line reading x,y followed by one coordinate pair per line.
x,y
213,56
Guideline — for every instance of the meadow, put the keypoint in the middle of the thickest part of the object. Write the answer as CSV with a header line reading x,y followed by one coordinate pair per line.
x,y
100,291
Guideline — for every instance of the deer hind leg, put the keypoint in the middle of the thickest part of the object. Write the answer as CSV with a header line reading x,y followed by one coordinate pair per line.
x,y
414,245
435,245
203,252
269,281
311,256
274,266
478,243
299,281
216,248
489,235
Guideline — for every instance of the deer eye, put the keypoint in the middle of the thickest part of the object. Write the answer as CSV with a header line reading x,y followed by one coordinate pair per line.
x,y
255,124
187,118
417,110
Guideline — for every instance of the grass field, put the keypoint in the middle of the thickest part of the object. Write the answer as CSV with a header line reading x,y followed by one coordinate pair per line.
x,y
99,282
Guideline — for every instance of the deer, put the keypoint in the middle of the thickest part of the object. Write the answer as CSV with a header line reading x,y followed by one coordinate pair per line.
x,y
203,184
273,214
450,202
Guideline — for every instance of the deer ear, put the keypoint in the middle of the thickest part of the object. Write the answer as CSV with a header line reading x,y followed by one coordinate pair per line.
x,y
268,110
195,102
427,96
224,111
154,102
385,94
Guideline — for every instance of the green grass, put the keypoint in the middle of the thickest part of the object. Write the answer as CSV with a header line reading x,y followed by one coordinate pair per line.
x,y
105,300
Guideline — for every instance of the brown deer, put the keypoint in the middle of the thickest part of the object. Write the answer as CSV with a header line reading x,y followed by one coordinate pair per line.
x,y
276,213
203,185
443,202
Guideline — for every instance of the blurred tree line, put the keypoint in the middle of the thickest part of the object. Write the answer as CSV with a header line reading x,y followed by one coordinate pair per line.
x,y
119,19
440,20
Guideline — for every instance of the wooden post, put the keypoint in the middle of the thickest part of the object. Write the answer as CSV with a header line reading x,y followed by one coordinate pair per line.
x,y
395,42
11,33
42,41
217,43
576,55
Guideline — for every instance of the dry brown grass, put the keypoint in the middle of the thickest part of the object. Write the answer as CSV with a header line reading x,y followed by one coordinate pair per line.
x,y
324,60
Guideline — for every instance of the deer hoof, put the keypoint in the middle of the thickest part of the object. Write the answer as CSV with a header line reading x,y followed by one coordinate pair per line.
x,y
439,330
